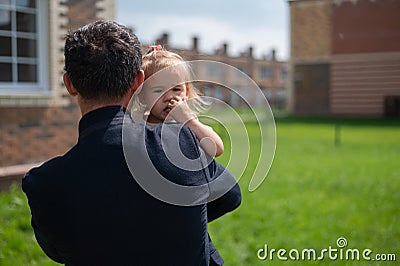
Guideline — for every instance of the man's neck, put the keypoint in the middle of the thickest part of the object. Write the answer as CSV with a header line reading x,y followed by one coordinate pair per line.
x,y
87,106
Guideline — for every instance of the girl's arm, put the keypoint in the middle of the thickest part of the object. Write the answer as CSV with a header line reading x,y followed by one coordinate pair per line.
x,y
209,140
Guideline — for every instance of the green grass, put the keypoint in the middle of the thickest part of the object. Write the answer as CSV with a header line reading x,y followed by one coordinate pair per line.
x,y
315,192
17,243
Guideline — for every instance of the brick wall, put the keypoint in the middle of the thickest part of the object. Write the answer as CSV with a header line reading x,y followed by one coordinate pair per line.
x,y
310,33
366,27
30,135
360,83
81,12
310,29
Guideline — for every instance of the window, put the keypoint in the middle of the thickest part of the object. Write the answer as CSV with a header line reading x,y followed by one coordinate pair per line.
x,y
284,73
23,46
213,70
242,69
267,93
266,72
281,93
219,93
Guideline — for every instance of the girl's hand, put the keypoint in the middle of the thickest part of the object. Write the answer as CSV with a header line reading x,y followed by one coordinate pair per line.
x,y
176,100
180,110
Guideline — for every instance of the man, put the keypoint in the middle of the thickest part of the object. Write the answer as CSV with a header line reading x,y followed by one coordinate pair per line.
x,y
88,206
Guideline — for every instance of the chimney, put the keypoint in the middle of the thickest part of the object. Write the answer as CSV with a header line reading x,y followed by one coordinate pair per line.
x,y
251,51
195,46
273,55
163,40
225,49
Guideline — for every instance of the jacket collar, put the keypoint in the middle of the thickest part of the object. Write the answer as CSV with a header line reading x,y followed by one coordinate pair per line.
x,y
100,118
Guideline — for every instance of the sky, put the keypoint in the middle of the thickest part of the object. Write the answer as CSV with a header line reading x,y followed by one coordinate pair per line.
x,y
262,24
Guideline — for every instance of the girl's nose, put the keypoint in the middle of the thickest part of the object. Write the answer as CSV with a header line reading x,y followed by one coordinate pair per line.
x,y
168,96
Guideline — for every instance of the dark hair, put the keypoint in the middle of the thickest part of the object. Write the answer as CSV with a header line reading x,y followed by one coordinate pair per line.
x,y
102,60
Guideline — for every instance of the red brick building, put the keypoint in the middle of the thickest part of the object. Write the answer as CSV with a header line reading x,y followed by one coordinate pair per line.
x,y
267,72
345,57
38,119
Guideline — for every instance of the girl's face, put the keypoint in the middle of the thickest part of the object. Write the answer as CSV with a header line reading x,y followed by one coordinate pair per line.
x,y
160,99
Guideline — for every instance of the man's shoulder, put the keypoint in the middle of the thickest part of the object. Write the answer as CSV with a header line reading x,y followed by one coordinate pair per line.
x,y
172,127
174,130
44,175
174,137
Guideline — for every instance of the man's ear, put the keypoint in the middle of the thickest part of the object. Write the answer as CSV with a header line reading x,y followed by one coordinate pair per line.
x,y
68,84
139,79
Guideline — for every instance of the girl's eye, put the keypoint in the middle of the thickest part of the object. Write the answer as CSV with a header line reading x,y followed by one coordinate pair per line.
x,y
157,90
176,89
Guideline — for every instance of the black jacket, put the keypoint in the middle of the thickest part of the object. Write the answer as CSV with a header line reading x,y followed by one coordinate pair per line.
x,y
87,209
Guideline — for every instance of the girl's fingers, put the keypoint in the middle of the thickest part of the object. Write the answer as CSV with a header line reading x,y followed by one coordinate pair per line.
x,y
177,98
175,101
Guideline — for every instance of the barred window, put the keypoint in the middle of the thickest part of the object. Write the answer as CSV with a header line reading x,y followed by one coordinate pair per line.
x,y
23,45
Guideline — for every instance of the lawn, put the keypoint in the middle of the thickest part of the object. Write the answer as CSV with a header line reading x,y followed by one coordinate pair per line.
x,y
316,192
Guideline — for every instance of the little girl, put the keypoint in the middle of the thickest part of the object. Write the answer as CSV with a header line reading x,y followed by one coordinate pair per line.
x,y
165,97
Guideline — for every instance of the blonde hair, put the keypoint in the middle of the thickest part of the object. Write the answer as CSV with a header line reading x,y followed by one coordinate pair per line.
x,y
158,58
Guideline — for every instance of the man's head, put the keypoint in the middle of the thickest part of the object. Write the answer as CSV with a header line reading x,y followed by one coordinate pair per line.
x,y
102,60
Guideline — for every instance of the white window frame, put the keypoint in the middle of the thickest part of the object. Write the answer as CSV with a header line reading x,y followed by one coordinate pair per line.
x,y
41,87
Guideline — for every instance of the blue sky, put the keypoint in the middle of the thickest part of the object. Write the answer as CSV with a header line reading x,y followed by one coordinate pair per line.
x,y
263,24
